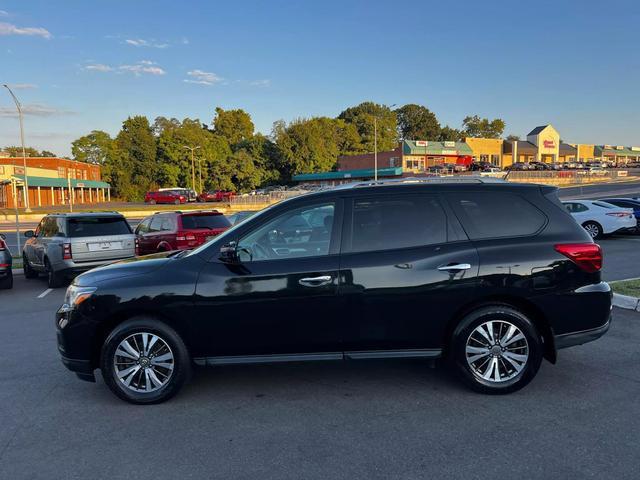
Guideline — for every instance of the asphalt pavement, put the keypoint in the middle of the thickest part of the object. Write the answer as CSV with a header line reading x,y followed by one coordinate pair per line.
x,y
345,420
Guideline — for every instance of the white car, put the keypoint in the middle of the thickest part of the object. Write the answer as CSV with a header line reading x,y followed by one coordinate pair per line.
x,y
600,218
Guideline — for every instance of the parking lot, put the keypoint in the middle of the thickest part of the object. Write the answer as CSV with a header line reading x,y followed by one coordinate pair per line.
x,y
376,419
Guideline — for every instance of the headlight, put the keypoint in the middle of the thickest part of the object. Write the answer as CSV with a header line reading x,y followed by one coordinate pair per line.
x,y
76,295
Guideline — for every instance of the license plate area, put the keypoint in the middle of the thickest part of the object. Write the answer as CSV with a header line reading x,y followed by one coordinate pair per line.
x,y
104,246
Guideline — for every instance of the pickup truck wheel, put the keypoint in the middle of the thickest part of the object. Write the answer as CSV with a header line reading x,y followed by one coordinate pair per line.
x,y
145,361
54,279
496,350
29,272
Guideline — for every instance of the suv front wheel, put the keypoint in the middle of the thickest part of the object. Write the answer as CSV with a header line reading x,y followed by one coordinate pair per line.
x,y
496,350
144,361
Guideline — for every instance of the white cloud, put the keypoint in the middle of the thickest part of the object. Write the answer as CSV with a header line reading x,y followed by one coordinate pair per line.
x,y
139,42
10,29
99,67
4,13
22,86
142,68
139,68
200,77
184,41
261,83
34,109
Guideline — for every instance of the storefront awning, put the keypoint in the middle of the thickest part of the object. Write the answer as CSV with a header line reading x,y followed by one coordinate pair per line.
x,y
347,174
61,182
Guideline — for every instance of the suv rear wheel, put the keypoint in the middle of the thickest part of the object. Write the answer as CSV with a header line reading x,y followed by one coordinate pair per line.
x,y
496,350
144,361
29,272
54,279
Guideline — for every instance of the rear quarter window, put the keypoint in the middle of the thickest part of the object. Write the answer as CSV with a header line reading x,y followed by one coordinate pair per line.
x,y
496,214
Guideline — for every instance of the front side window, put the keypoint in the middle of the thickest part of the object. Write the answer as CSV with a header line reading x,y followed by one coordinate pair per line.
x,y
397,222
302,232
156,224
143,227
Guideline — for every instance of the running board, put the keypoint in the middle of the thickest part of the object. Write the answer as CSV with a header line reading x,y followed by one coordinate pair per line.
x,y
315,357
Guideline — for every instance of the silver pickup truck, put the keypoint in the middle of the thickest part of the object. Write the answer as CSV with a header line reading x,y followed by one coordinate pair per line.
x,y
66,244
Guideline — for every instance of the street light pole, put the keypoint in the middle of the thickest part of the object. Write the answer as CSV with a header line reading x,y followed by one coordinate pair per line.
x,y
193,166
25,186
375,149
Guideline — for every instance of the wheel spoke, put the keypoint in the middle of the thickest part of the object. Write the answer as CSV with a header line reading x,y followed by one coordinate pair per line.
x,y
475,358
517,337
154,379
135,366
515,356
168,366
513,363
126,346
153,341
160,358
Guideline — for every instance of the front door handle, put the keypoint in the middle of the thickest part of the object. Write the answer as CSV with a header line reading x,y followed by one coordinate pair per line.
x,y
454,267
315,281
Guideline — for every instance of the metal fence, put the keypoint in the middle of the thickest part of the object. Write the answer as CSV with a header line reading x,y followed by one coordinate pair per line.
x,y
567,176
268,198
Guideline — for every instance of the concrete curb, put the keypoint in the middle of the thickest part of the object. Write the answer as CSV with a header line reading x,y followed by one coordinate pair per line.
x,y
626,302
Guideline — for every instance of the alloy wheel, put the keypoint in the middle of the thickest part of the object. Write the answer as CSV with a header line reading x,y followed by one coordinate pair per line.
x,y
592,230
143,362
497,351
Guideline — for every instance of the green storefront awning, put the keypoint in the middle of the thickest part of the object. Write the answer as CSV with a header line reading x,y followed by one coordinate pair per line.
x,y
61,182
347,174
419,147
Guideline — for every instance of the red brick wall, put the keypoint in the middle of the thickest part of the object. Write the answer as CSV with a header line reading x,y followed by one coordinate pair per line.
x,y
356,162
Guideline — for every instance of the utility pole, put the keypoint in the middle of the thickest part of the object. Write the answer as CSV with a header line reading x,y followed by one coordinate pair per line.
x,y
25,186
193,166
375,149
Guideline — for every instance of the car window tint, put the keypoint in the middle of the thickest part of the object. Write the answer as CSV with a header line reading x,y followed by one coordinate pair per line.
x,y
190,222
143,227
167,225
290,235
97,226
397,222
496,214
603,205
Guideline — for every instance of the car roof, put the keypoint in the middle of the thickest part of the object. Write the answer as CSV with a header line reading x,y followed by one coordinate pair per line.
x,y
85,214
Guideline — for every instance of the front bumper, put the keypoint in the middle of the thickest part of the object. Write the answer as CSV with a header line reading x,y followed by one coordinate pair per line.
x,y
584,336
82,368
69,336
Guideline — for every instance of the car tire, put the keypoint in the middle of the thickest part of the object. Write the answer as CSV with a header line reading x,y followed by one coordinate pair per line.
x,y
54,279
7,283
594,229
161,381
28,270
501,361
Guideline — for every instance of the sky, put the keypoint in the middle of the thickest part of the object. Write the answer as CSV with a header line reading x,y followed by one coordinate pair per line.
x,y
80,65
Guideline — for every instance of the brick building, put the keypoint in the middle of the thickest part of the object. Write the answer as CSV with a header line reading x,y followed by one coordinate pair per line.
x,y
51,181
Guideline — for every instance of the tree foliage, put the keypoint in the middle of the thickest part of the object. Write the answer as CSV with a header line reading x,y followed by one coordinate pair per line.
x,y
416,122
474,126
96,147
364,117
233,125
29,152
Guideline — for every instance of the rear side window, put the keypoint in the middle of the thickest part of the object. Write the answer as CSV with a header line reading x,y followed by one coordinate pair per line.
x,y
190,222
397,222
496,214
97,226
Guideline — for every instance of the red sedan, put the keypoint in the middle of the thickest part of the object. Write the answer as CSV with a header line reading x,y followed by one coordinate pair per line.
x,y
165,231
216,196
165,196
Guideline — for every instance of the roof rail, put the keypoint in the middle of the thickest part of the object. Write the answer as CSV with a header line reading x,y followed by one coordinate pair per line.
x,y
427,180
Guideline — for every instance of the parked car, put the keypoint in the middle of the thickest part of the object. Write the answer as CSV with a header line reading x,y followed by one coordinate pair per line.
x,y
491,275
238,217
189,194
600,218
520,166
6,265
480,166
165,196
597,171
166,231
216,196
65,244
626,203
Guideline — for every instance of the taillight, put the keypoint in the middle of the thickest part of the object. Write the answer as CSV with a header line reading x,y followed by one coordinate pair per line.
x,y
136,244
619,214
3,246
587,256
66,251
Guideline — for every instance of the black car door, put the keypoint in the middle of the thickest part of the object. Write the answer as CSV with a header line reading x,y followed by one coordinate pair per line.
x,y
406,266
281,297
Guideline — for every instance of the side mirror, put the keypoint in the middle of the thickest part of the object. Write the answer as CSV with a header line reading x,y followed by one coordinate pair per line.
x,y
229,253
29,233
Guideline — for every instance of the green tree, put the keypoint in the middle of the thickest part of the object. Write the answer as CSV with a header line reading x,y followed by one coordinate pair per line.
x,y
134,169
416,122
17,151
47,153
362,117
96,148
474,126
512,138
234,125
448,134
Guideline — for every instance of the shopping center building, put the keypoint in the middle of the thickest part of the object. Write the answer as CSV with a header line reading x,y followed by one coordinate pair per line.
x,y
51,181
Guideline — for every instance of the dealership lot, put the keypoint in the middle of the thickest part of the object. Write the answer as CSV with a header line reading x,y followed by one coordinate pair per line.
x,y
377,419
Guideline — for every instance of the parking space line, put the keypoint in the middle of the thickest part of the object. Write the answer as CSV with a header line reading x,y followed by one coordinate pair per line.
x,y
45,293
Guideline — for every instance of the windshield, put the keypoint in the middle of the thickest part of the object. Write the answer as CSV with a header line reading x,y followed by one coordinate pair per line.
x,y
97,226
190,222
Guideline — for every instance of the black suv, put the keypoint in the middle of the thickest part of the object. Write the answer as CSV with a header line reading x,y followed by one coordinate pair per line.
x,y
491,276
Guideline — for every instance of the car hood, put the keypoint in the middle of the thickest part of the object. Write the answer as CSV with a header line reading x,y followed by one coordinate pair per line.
x,y
124,268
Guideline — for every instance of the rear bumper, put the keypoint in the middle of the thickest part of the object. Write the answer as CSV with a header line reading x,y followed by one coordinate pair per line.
x,y
578,338
69,267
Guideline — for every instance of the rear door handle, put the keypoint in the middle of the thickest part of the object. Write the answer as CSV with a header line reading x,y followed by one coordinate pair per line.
x,y
315,281
454,267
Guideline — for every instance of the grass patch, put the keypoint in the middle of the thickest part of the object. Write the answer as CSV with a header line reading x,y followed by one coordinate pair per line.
x,y
627,287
